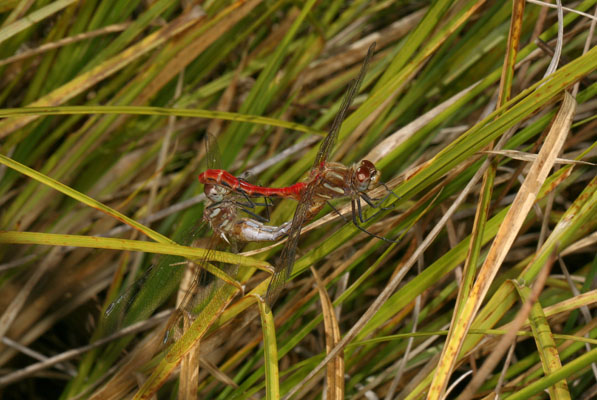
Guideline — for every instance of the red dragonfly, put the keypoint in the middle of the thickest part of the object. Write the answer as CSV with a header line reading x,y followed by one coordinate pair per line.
x,y
327,180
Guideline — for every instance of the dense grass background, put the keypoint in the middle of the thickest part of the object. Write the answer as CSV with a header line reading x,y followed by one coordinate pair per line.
x,y
105,105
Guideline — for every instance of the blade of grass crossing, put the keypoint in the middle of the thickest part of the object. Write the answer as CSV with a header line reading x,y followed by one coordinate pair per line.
x,y
171,248
270,351
502,243
548,350
46,180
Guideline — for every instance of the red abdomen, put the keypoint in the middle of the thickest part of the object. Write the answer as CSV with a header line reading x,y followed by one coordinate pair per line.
x,y
225,178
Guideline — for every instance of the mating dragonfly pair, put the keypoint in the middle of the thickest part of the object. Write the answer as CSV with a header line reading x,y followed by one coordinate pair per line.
x,y
327,181
227,196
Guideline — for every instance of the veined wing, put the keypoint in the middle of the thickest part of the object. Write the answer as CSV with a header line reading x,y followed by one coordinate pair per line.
x,y
147,293
330,140
285,262
205,288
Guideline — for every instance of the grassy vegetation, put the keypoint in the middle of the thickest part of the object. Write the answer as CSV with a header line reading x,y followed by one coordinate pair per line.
x,y
490,150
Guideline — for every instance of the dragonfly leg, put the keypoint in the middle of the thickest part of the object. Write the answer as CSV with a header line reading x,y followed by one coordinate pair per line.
x,y
265,200
249,204
360,211
390,191
376,203
214,204
252,204
356,211
253,215
337,212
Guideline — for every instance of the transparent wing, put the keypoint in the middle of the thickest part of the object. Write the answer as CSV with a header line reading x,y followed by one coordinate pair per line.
x,y
205,288
353,89
204,309
285,262
213,156
146,294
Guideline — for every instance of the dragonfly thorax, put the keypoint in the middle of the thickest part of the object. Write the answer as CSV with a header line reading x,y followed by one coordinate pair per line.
x,y
365,176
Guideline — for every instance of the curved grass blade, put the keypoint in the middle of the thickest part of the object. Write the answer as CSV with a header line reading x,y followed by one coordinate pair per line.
x,y
137,110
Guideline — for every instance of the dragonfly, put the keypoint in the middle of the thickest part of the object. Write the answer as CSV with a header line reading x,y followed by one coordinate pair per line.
x,y
326,181
329,180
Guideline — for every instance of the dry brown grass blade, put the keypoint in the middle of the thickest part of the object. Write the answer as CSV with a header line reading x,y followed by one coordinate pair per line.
x,y
335,368
63,42
14,309
217,373
509,338
189,371
529,157
508,231
585,242
401,135
189,367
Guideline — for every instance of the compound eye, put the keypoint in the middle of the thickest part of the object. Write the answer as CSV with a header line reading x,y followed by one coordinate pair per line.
x,y
366,175
366,171
363,174
368,164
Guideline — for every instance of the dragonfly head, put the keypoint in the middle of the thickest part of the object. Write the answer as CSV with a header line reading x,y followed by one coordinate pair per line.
x,y
365,176
215,193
